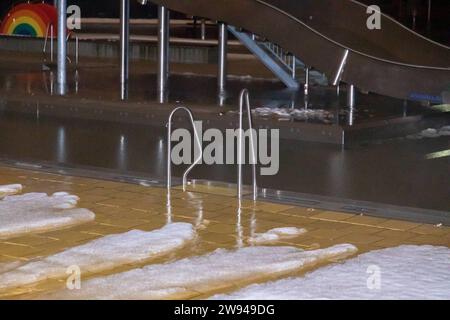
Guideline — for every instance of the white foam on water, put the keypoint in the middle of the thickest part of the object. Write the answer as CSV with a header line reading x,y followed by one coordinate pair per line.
x,y
209,271
276,234
34,212
298,114
406,272
431,133
102,254
10,189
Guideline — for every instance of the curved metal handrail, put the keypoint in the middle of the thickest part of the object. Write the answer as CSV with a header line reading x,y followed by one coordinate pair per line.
x,y
244,98
49,34
169,148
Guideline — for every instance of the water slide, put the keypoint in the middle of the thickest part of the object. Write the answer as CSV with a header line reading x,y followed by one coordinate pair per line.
x,y
327,34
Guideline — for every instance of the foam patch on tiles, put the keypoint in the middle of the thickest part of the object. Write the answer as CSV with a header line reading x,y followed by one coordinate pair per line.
x,y
205,272
405,272
102,254
10,189
4,267
276,234
34,212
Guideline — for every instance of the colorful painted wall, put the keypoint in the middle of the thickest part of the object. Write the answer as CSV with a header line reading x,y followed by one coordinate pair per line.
x,y
31,20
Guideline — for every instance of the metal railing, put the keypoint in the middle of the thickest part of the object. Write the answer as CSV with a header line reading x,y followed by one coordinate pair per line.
x,y
283,56
271,61
169,148
287,59
49,32
340,70
280,61
50,35
245,99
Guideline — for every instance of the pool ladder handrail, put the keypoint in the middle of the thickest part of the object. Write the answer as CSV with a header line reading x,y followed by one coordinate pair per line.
x,y
49,34
169,147
50,31
245,98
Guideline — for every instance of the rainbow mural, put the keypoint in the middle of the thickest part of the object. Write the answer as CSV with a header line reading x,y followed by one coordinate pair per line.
x,y
30,20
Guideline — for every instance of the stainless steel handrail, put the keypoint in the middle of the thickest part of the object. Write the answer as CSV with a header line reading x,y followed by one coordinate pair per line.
x,y
69,35
279,53
50,31
337,77
169,148
244,98
44,50
46,38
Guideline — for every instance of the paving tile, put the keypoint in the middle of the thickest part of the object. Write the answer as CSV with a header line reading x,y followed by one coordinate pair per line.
x,y
303,212
120,207
431,229
429,240
330,215
329,234
31,240
397,224
368,229
397,235
358,238
366,220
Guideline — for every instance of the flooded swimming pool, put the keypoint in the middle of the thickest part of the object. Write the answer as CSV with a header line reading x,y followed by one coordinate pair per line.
x,y
395,171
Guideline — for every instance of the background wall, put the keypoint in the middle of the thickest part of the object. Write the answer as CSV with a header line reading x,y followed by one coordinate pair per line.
x,y
401,10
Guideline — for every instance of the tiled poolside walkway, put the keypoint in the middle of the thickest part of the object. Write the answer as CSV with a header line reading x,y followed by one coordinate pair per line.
x,y
120,207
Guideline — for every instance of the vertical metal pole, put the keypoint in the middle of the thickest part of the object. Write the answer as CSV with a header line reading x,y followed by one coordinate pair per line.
x,y
77,81
62,47
52,83
306,87
240,148
244,98
77,50
203,29
351,103
239,229
350,95
221,99
429,15
167,45
163,52
124,40
294,67
351,116
169,153
222,72
52,35
405,108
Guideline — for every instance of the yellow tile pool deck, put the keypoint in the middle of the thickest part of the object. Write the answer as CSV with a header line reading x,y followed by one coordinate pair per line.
x,y
120,207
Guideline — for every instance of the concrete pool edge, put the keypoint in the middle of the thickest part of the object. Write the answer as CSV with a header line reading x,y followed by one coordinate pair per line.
x,y
326,203
153,113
